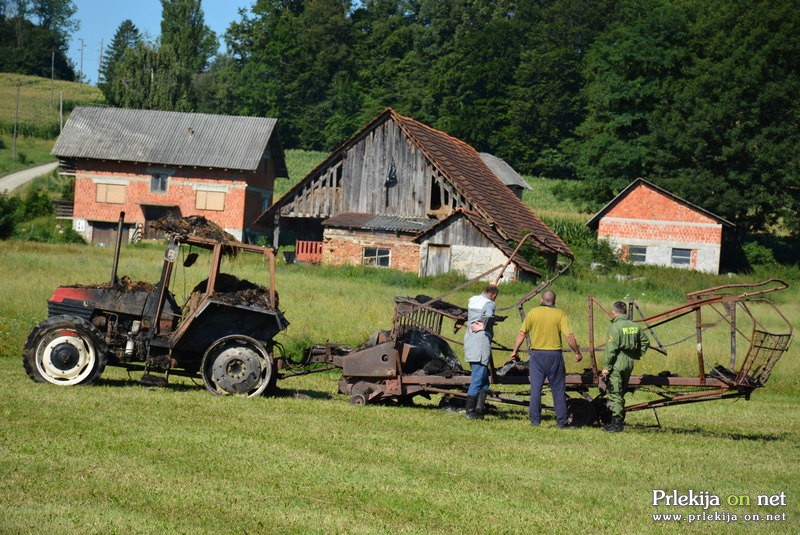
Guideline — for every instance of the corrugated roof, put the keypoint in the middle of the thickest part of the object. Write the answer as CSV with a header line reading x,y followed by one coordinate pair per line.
x,y
504,172
167,138
412,225
484,228
595,221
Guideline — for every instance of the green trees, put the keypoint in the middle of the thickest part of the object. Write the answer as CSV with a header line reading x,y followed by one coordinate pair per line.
x,y
700,98
125,38
34,36
137,74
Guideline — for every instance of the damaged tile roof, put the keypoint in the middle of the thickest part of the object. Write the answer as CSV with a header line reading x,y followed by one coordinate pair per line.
x,y
464,167
484,228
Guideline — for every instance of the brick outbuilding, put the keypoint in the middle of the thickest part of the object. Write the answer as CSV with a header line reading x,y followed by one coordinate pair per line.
x,y
151,163
649,225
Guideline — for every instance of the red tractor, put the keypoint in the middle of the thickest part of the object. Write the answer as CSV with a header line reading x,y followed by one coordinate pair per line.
x,y
222,334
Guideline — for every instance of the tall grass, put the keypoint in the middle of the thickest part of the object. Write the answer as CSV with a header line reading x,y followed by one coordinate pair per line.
x,y
121,458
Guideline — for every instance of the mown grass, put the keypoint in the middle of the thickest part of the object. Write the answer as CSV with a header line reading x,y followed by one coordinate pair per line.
x,y
121,458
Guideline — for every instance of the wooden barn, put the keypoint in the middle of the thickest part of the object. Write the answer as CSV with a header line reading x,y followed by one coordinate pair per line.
x,y
155,163
649,225
403,195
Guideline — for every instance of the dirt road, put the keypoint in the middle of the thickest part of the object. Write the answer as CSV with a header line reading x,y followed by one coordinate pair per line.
x,y
15,180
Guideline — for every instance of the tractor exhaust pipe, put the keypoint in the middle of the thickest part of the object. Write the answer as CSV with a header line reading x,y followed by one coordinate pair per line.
x,y
117,248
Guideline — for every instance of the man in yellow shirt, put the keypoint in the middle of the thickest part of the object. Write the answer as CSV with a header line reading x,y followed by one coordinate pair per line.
x,y
546,325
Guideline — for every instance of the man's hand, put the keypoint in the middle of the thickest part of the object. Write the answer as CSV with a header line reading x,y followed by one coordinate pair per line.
x,y
604,373
476,327
515,355
578,357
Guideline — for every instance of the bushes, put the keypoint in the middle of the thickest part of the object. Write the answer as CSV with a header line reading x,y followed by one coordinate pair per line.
x,y
31,218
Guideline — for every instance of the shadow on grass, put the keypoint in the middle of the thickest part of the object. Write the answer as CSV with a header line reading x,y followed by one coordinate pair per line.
x,y
198,386
699,431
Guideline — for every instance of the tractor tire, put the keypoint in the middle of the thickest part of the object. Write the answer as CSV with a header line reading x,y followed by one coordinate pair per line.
x,y
64,351
240,366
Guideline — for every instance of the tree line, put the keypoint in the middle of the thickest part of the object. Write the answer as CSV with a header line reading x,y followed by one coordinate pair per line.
x,y
698,96
34,37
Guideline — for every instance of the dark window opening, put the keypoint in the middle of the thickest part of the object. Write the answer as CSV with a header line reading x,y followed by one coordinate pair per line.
x,y
158,183
376,256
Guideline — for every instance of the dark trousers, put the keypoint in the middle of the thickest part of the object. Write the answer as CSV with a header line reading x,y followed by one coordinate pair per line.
x,y
549,365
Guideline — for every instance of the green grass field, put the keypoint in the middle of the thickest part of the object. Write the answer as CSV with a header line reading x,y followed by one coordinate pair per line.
x,y
118,457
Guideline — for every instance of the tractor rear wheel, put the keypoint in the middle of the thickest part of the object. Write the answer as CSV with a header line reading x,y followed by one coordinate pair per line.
x,y
64,350
238,365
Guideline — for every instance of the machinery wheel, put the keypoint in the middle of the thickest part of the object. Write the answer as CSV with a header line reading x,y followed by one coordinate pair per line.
x,y
64,350
359,393
580,412
238,365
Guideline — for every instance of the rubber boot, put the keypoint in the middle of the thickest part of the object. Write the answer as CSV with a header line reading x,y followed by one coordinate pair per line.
x,y
616,425
480,405
472,401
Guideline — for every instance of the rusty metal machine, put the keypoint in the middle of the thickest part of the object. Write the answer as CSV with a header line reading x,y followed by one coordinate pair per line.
x,y
222,335
389,368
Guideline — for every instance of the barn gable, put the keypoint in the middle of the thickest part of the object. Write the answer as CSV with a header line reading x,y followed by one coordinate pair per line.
x,y
400,167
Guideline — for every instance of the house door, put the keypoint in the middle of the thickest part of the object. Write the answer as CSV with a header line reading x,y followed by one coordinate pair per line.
x,y
153,214
105,234
438,259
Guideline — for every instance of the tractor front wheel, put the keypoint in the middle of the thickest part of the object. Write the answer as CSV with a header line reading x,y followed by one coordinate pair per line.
x,y
64,350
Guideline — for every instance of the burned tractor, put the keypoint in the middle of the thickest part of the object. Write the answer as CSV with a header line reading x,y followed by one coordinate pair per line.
x,y
223,334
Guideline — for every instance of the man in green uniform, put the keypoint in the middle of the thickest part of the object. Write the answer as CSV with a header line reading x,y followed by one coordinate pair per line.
x,y
626,344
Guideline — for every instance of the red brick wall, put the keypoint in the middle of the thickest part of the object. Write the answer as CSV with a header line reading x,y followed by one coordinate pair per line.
x,y
180,192
644,203
343,247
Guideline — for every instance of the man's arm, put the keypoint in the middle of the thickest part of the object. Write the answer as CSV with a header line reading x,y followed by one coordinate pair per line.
x,y
612,347
517,343
573,344
644,342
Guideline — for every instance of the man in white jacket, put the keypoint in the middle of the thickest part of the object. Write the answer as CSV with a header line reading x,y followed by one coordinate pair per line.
x,y
478,348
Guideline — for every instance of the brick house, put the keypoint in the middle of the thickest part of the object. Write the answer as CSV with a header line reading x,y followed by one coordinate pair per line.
x,y
403,195
649,225
154,163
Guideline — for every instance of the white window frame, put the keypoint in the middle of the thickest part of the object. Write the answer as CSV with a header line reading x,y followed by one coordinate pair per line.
x,y
637,257
684,257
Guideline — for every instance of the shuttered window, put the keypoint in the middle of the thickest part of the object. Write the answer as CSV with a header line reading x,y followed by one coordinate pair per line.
x,y
111,193
210,200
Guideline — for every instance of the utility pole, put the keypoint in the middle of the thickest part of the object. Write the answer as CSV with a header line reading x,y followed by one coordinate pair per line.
x,y
100,62
16,120
80,72
52,75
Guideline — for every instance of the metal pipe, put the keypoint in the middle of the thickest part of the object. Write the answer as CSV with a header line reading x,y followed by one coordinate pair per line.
x,y
117,248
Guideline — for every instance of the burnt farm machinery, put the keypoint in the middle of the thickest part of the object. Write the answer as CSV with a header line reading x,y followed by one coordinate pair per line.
x,y
414,357
224,334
